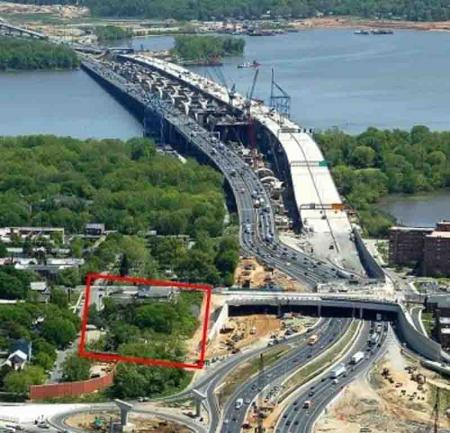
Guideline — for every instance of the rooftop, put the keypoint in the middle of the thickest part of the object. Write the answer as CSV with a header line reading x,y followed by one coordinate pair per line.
x,y
437,234
412,229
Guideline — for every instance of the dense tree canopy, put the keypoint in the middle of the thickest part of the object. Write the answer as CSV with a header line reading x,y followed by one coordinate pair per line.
x,y
417,10
207,47
111,33
14,284
65,182
149,329
76,368
377,162
33,54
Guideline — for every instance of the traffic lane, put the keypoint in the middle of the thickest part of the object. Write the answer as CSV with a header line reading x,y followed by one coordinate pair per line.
x,y
211,396
330,394
294,414
250,391
234,418
296,419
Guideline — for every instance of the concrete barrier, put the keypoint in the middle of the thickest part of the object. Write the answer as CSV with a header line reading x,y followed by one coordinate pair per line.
x,y
220,320
372,268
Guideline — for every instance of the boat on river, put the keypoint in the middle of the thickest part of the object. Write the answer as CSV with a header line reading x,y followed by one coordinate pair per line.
x,y
253,64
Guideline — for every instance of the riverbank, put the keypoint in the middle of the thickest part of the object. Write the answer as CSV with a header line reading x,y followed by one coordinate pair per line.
x,y
361,23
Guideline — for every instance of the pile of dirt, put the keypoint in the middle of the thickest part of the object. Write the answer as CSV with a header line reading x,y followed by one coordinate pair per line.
x,y
396,397
240,332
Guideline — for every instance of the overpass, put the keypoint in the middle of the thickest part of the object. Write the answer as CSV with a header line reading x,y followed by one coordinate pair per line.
x,y
168,108
368,307
318,205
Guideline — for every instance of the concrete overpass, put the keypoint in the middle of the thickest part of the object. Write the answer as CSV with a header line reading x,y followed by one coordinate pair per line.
x,y
333,305
318,203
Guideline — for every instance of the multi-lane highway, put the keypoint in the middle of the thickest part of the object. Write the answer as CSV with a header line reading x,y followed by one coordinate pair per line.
x,y
233,417
306,406
258,234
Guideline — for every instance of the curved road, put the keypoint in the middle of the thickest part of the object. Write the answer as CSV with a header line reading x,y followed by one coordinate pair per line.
x,y
257,232
233,418
296,419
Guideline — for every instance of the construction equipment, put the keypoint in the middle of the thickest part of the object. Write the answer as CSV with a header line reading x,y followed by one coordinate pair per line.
x,y
248,115
280,102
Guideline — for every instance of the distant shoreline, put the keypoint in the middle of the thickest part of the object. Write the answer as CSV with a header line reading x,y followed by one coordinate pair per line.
x,y
361,23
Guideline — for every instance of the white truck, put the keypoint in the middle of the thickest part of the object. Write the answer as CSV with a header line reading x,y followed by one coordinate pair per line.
x,y
239,403
358,356
338,371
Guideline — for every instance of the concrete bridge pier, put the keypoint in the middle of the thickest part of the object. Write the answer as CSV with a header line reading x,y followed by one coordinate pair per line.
x,y
199,398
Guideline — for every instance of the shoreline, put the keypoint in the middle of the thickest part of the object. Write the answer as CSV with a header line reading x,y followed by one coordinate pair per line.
x,y
362,23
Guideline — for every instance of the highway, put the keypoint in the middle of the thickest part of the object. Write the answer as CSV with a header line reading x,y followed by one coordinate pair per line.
x,y
234,418
258,236
320,392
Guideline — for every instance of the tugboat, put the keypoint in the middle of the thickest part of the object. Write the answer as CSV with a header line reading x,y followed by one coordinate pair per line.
x,y
361,32
253,64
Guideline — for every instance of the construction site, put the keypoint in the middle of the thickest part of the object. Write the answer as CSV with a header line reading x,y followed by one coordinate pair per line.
x,y
256,330
397,395
106,422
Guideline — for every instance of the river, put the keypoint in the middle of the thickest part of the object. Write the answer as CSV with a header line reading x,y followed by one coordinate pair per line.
x,y
335,78
418,210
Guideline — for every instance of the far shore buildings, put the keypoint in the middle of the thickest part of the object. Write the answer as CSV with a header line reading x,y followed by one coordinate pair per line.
x,y
425,248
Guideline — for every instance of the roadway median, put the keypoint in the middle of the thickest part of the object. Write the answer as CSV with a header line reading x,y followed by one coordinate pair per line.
x,y
325,360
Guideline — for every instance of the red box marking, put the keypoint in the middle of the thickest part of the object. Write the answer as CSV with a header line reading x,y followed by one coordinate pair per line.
x,y
110,357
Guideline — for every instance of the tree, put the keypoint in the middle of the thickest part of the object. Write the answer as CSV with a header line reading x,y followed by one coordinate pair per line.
x,y
59,297
363,157
76,368
14,284
124,268
3,250
59,331
19,381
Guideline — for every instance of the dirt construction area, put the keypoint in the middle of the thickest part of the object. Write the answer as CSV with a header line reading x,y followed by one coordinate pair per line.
x,y
253,275
100,422
397,396
244,331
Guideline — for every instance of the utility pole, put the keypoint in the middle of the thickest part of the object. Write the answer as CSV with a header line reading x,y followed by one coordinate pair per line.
x,y
436,410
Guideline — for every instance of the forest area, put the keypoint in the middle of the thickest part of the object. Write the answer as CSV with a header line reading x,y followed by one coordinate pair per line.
x,y
377,162
207,47
30,54
133,190
417,10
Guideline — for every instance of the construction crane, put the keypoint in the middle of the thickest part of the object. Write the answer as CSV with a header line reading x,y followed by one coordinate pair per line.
x,y
249,118
280,100
261,384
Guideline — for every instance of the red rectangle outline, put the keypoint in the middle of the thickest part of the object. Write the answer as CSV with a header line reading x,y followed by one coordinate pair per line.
x,y
109,357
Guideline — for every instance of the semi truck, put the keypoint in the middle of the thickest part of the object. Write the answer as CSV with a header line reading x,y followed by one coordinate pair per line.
x,y
338,371
357,357
239,403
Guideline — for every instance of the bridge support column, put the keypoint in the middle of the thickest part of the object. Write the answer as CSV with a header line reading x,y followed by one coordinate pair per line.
x,y
124,410
199,397
361,312
319,310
